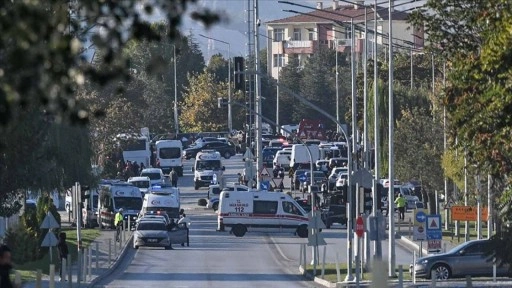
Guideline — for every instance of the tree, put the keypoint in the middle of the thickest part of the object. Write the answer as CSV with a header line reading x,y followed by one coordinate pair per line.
x,y
418,151
199,110
289,76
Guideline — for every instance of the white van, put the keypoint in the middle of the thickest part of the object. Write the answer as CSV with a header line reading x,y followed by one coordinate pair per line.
x,y
141,182
162,198
282,159
207,168
300,154
215,190
156,175
114,195
261,211
168,156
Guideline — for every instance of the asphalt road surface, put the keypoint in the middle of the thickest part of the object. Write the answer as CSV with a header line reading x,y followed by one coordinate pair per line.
x,y
219,259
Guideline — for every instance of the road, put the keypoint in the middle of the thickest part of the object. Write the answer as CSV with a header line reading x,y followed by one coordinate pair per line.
x,y
218,259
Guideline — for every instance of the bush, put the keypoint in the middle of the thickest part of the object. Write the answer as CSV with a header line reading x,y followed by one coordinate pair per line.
x,y
24,244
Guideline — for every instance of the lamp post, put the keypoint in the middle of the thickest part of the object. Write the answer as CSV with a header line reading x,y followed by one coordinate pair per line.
x,y
176,127
391,156
230,119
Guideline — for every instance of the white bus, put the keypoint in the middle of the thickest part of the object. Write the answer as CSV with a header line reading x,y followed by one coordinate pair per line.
x,y
135,148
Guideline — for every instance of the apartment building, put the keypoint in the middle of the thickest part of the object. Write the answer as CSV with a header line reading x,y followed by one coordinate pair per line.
x,y
329,27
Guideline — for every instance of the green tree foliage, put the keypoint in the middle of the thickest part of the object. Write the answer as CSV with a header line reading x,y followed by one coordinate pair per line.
x,y
289,76
199,110
418,150
218,66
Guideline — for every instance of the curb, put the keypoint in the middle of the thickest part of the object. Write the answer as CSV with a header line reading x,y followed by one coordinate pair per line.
x,y
114,264
317,280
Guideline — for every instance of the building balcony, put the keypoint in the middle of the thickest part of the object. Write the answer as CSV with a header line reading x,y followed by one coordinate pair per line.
x,y
300,47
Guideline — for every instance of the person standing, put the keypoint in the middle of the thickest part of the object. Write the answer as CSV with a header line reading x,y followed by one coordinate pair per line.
x,y
5,267
174,178
400,204
118,222
184,220
63,253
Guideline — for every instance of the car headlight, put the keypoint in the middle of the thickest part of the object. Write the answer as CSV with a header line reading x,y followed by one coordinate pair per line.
x,y
423,262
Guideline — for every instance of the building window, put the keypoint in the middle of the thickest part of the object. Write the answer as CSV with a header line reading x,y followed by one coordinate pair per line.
x,y
296,34
278,35
278,60
312,35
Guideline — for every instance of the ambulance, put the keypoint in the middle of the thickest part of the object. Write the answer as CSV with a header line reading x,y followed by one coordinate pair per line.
x,y
162,198
207,168
114,195
261,211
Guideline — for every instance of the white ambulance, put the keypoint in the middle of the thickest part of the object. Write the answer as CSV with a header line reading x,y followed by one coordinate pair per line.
x,y
207,168
261,211
162,198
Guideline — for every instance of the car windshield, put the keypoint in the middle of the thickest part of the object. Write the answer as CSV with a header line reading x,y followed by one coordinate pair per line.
x,y
144,226
128,203
152,176
208,165
140,184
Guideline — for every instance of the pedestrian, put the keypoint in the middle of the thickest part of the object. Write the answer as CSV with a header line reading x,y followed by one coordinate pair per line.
x,y
63,253
5,267
400,204
174,178
136,168
185,221
142,167
118,222
172,225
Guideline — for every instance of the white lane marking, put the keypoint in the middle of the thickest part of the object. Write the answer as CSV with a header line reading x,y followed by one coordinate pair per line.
x,y
279,249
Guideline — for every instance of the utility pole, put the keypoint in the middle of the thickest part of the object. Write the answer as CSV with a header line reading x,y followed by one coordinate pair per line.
x,y
391,156
365,91
378,248
176,125
257,92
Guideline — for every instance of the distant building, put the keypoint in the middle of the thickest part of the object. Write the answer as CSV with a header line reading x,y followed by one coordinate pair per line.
x,y
304,34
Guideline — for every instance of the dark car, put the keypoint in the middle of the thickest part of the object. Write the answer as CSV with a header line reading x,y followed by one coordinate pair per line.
x,y
225,149
468,259
304,203
296,178
335,213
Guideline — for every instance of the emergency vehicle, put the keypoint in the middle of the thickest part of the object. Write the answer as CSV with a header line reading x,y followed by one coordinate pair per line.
x,y
162,198
207,168
168,156
261,211
114,195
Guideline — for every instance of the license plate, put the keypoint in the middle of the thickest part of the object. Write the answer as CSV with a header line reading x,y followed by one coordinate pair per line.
x,y
152,240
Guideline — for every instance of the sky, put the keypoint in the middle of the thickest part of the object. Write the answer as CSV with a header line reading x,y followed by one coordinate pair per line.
x,y
233,30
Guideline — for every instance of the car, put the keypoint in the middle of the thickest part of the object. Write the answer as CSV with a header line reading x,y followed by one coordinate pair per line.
x,y
341,180
151,234
156,175
334,176
318,178
335,213
225,149
304,203
467,259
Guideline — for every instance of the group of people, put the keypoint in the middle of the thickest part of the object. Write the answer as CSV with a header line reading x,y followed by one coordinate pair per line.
x,y
129,169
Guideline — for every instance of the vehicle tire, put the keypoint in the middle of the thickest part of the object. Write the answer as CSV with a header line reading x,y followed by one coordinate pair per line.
x,y
227,155
239,230
215,206
167,247
135,247
202,202
302,231
442,271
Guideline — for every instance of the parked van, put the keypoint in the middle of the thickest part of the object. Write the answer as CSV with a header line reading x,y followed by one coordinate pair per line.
x,y
261,211
207,168
156,175
141,182
168,156
282,159
300,155
162,198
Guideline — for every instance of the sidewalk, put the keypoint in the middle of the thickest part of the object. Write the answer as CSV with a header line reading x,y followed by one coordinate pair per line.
x,y
100,265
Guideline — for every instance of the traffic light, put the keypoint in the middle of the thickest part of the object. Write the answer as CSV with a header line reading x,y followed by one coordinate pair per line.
x,y
239,76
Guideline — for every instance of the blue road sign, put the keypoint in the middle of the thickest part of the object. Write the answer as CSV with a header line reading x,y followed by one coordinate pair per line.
x,y
303,178
420,216
265,185
434,231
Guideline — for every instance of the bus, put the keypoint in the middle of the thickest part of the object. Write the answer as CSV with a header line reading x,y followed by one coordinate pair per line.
x,y
136,148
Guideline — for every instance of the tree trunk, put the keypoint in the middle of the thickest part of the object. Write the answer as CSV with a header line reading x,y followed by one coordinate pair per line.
x,y
431,202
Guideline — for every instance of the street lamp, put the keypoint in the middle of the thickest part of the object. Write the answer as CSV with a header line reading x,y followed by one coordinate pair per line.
x,y
176,127
230,119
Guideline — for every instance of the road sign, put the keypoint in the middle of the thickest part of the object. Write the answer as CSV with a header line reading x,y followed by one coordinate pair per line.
x,y
468,213
277,182
248,155
434,245
49,222
359,227
434,227
316,222
49,240
265,185
377,227
448,204
303,178
316,239
420,216
419,231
